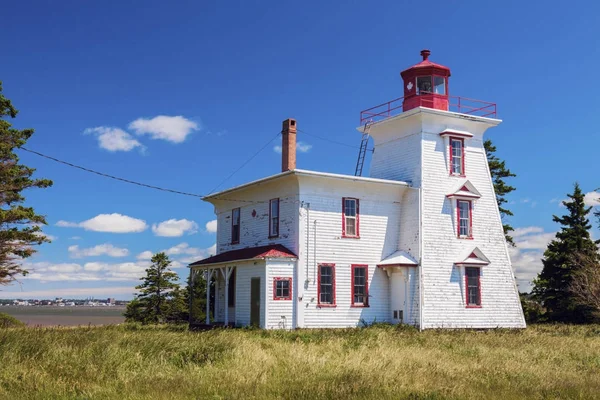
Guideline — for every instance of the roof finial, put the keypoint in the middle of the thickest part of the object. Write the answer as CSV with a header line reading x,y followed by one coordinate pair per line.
x,y
425,54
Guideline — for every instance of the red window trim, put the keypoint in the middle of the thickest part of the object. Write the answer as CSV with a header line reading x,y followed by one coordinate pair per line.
x,y
462,140
278,279
239,226
458,235
357,236
366,304
271,236
332,305
467,289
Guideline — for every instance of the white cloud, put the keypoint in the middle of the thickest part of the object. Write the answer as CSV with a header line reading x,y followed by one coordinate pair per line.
x,y
193,253
173,129
519,232
114,139
114,223
592,199
67,224
526,258
182,248
301,147
211,226
526,265
99,250
175,228
45,235
145,255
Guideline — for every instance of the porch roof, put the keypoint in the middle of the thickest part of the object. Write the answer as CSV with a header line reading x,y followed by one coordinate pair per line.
x,y
399,258
260,252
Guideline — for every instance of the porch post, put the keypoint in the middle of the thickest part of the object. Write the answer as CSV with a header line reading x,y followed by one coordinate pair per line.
x,y
191,292
208,278
224,274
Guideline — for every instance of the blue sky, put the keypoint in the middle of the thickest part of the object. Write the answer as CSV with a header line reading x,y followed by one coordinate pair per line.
x,y
91,78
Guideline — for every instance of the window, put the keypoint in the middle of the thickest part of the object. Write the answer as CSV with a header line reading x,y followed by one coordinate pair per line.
x,y
360,288
439,85
464,218
457,157
424,85
235,225
326,286
473,285
231,288
350,220
274,218
282,288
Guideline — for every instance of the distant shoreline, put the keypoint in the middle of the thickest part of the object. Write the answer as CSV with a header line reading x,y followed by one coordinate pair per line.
x,y
66,316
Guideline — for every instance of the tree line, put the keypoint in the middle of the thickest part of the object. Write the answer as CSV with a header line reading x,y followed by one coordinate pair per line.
x,y
566,290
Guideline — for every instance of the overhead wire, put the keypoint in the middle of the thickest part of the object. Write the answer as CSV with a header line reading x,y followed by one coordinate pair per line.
x,y
92,171
196,195
245,163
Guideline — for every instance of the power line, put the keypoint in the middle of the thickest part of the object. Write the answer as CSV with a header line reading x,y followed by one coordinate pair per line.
x,y
245,163
110,176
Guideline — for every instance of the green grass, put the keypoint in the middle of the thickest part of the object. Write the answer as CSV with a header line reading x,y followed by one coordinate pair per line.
x,y
136,362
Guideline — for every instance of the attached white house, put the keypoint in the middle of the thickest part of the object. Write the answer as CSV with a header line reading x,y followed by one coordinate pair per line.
x,y
419,241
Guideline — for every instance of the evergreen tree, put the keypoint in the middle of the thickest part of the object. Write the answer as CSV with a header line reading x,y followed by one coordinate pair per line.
x,y
499,173
19,225
197,307
552,284
158,287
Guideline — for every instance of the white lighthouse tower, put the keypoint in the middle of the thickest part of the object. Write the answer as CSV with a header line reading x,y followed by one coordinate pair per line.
x,y
451,224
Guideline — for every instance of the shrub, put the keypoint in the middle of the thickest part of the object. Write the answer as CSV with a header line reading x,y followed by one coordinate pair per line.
x,y
7,321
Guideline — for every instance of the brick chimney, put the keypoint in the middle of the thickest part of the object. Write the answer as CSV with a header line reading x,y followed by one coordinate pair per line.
x,y
288,145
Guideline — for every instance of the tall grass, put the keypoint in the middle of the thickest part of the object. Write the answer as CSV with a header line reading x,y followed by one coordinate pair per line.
x,y
136,362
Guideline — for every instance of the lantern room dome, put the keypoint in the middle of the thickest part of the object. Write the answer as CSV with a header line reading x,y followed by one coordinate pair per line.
x,y
426,85
426,64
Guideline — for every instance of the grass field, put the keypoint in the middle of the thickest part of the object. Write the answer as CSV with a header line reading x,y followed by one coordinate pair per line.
x,y
135,362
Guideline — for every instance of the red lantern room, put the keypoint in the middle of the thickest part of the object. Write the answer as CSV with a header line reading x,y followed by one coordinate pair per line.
x,y
426,85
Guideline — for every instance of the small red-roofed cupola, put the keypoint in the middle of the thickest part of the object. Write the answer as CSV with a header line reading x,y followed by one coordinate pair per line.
x,y
426,85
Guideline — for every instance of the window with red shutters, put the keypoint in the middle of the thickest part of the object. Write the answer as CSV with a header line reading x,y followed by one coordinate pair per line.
x,y
457,156
473,286
235,225
350,217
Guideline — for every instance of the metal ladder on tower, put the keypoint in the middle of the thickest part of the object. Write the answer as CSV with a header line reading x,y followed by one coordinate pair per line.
x,y
362,153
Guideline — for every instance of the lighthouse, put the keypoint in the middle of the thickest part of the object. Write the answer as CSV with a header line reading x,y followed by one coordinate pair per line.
x,y
434,141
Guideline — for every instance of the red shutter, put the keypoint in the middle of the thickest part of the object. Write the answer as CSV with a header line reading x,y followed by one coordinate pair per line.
x,y
343,216
357,218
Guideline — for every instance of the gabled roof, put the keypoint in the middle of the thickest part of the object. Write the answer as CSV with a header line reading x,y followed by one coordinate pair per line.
x,y
473,257
398,258
260,252
465,190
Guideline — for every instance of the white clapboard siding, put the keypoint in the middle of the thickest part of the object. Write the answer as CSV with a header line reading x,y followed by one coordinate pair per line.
x,y
280,313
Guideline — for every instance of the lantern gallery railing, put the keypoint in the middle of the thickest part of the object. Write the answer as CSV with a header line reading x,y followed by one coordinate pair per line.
x,y
457,104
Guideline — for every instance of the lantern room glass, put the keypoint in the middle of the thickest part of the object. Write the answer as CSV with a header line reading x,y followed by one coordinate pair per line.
x,y
424,85
439,85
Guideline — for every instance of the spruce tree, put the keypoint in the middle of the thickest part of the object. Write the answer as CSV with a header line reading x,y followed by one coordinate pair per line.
x,y
552,286
158,287
499,173
19,225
